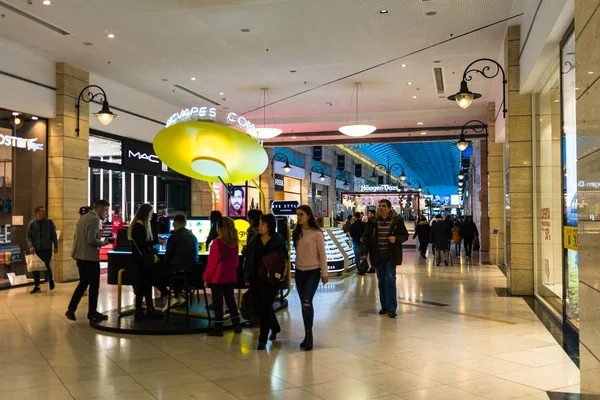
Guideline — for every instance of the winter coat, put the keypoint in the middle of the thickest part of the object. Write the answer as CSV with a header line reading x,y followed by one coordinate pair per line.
x,y
225,270
440,235
41,234
369,239
422,231
256,250
469,230
356,231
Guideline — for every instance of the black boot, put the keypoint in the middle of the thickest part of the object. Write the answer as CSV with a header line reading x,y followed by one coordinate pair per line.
x,y
307,344
217,330
237,327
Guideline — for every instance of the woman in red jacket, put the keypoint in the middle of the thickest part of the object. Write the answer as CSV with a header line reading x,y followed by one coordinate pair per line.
x,y
221,274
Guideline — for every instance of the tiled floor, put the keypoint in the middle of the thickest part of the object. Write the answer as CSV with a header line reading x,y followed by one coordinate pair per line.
x,y
480,346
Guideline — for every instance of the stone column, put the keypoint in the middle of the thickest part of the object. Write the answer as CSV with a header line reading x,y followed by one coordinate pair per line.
x,y
484,228
202,199
496,190
519,210
587,40
68,162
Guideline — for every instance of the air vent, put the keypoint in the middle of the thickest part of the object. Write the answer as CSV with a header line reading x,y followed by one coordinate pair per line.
x,y
34,19
190,91
438,77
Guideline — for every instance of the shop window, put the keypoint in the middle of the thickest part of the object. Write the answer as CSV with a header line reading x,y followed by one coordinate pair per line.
x,y
105,150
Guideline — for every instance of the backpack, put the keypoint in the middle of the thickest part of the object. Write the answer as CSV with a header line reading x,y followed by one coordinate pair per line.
x,y
273,267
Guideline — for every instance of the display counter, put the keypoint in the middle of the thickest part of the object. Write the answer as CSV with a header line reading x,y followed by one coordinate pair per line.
x,y
340,253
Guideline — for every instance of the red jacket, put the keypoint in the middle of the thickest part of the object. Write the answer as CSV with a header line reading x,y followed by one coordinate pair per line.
x,y
226,270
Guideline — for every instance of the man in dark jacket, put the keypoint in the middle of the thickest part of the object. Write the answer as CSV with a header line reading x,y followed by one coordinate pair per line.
x,y
42,240
356,231
440,237
382,241
468,231
182,251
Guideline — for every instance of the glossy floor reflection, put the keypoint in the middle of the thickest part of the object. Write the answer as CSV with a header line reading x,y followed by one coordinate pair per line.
x,y
454,339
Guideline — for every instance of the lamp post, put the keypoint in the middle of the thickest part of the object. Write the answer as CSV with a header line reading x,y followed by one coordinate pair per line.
x,y
465,97
415,181
388,171
463,143
342,178
318,169
283,158
105,116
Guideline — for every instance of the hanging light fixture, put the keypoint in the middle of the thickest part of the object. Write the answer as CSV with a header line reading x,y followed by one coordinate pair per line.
x,y
357,130
461,175
464,97
462,143
403,175
264,132
460,183
105,116
322,177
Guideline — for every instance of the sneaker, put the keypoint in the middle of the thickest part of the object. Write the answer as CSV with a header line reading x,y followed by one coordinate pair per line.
x,y
172,303
97,317
383,311
261,346
52,285
70,314
392,314
35,290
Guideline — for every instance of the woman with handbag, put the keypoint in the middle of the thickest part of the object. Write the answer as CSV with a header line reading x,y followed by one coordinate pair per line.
x,y
267,245
144,258
221,274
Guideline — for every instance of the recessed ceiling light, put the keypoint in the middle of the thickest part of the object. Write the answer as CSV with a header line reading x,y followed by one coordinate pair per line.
x,y
221,93
193,78
556,101
419,123
591,73
383,11
404,65
245,30
430,13
414,97
15,113
110,36
47,2
294,137
576,88
410,83
165,80
34,118
423,133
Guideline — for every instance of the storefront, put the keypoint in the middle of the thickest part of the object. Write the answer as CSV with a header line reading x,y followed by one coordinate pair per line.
x,y
288,188
556,199
23,187
128,174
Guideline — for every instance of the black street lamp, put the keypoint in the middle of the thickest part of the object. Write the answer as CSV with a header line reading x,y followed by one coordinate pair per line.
x,y
105,116
342,178
420,188
388,171
283,158
318,169
463,143
465,97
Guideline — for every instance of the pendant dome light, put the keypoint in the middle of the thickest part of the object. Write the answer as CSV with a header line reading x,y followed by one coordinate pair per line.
x,y
357,130
264,132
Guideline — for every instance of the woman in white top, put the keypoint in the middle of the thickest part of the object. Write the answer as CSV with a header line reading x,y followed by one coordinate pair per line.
x,y
311,266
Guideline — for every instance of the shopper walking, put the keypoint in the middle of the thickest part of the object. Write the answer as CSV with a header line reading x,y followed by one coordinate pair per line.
x,y
356,231
86,247
382,242
311,265
422,232
440,237
42,241
348,224
221,274
456,239
469,232
266,247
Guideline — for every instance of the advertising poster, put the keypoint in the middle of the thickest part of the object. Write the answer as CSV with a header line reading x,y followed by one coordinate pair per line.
x,y
237,202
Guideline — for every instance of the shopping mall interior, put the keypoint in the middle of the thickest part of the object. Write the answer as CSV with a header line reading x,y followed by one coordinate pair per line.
x,y
464,128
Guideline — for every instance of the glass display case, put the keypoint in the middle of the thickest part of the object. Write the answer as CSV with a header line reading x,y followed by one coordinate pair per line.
x,y
340,254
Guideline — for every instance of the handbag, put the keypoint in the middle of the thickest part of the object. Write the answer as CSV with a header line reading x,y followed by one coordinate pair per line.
x,y
148,257
34,263
248,308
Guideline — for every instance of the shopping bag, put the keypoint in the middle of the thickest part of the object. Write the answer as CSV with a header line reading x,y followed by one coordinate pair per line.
x,y
248,309
34,263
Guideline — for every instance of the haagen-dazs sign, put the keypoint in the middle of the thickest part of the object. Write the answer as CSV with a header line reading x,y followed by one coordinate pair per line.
x,y
380,188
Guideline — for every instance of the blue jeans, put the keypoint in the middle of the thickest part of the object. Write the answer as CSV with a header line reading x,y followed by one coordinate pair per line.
x,y
356,253
307,283
386,277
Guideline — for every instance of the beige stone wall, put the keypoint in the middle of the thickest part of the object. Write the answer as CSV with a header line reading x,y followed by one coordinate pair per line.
x,y
202,198
484,228
520,172
68,161
496,190
587,42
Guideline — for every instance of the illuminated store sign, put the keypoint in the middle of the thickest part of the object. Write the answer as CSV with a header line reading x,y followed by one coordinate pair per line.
x,y
584,184
210,114
380,188
21,143
143,156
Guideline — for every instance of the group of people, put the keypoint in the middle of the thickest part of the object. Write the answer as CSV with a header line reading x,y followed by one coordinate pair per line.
x,y
441,231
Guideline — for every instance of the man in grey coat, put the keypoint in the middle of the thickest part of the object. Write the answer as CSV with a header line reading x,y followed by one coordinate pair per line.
x,y
42,241
86,252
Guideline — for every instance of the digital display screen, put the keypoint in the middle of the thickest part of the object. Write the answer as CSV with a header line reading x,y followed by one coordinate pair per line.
x,y
200,227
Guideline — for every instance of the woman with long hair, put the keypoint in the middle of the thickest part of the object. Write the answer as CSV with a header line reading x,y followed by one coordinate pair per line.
x,y
311,265
221,274
266,244
140,233
215,216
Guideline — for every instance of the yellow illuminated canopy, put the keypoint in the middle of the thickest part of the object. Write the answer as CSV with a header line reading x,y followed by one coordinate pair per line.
x,y
205,151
